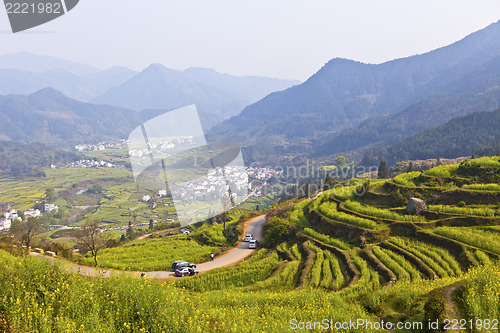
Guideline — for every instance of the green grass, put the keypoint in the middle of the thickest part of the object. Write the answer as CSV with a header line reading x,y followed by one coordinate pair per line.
x,y
36,297
481,292
282,281
153,255
259,203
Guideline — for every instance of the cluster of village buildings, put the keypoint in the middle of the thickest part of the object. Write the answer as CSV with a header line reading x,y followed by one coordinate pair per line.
x,y
102,145
10,215
90,164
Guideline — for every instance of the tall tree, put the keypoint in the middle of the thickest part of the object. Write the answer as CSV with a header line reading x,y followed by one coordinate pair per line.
x,y
341,162
383,170
410,167
50,194
130,231
24,231
90,237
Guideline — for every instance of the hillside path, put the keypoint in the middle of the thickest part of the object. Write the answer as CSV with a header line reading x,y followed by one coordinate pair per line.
x,y
233,257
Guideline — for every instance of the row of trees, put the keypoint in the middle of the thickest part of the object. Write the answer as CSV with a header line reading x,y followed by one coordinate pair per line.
x,y
88,235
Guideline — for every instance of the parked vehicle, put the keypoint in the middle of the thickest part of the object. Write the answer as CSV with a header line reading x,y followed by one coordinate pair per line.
x,y
252,244
182,263
248,238
185,271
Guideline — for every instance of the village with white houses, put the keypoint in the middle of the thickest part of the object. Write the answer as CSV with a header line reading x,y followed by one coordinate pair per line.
x,y
101,145
9,215
90,164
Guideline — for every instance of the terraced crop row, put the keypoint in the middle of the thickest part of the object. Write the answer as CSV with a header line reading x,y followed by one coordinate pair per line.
x,y
406,179
483,187
403,270
329,209
472,236
381,213
297,215
367,281
326,271
443,170
294,250
344,193
247,273
489,212
326,239
284,279
485,162
437,259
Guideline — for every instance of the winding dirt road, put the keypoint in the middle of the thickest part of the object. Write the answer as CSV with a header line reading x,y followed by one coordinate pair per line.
x,y
234,256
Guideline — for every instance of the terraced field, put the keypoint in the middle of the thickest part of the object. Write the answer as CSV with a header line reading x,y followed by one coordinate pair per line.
x,y
344,256
365,245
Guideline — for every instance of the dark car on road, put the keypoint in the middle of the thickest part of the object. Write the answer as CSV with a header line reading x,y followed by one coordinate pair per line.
x,y
182,263
185,271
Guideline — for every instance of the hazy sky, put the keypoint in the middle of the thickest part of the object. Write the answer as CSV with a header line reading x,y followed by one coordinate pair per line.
x,y
277,38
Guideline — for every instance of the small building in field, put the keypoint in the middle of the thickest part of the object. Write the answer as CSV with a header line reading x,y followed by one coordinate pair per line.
x,y
51,207
32,213
4,207
5,224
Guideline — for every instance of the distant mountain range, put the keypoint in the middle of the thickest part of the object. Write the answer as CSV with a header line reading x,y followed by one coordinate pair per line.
x,y
223,95
156,87
84,88
35,63
347,107
51,118
396,99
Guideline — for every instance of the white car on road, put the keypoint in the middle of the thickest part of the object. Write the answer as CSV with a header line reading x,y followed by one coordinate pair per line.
x,y
248,238
252,244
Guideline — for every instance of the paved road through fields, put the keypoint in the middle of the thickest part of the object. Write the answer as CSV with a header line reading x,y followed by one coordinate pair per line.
x,y
234,256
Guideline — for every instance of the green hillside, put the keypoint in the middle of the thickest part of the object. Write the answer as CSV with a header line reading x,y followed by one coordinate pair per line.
x,y
437,86
20,160
49,117
351,253
392,129
462,136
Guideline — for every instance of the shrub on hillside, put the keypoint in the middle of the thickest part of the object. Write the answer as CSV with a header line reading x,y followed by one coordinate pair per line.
x,y
277,230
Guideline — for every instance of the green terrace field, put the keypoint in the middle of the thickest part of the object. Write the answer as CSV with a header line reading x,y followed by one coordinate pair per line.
x,y
153,254
119,202
23,194
158,254
339,256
